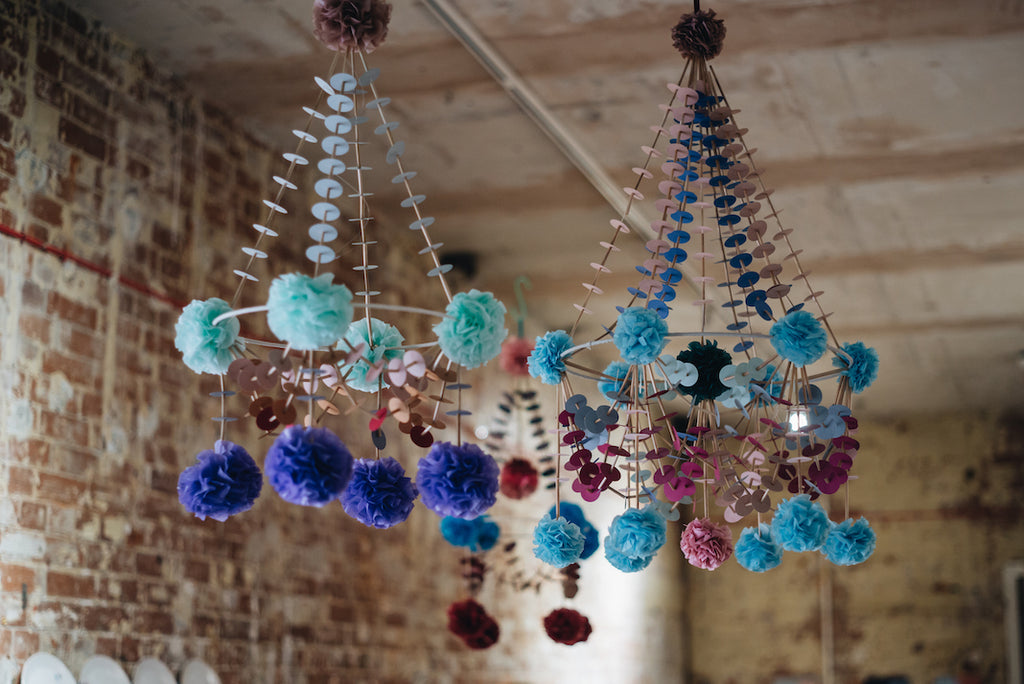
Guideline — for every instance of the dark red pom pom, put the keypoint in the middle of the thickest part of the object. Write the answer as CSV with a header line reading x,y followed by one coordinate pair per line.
x,y
518,478
470,622
699,34
567,626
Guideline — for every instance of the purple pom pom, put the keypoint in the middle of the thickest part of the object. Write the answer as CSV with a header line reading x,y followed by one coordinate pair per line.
x,y
225,481
379,494
460,481
308,466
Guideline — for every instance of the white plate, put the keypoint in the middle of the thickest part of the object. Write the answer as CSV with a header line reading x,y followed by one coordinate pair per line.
x,y
45,668
152,671
198,672
101,669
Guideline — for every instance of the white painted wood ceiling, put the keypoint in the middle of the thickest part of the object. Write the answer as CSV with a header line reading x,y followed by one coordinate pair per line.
x,y
892,130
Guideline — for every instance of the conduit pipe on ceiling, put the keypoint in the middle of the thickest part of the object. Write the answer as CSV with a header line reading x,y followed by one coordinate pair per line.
x,y
523,95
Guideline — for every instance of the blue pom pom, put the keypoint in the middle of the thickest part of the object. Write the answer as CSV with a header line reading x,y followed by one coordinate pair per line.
x,y
617,389
862,367
634,538
379,494
799,337
308,466
205,347
557,542
387,345
640,335
574,514
545,362
473,328
800,524
224,482
756,550
478,534
461,481
849,542
308,313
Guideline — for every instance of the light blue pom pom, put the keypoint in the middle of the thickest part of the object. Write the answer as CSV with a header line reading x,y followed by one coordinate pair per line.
x,y
473,328
205,347
862,368
557,542
756,550
849,542
612,389
634,538
308,313
800,524
545,362
799,337
640,335
574,514
387,345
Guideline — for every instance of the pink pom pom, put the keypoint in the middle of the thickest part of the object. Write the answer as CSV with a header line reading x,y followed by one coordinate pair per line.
x,y
351,24
515,356
706,544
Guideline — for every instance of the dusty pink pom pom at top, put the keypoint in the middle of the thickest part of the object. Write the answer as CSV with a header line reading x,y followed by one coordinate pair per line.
x,y
706,544
351,24
515,356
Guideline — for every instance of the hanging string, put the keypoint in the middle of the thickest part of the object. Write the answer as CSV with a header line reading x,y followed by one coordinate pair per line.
x,y
520,313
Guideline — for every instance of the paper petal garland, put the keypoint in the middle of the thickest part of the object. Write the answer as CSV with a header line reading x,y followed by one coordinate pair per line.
x,y
205,347
473,330
461,481
225,481
379,494
308,466
308,313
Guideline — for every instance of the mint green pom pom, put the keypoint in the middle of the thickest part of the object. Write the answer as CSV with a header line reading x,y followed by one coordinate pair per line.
x,y
387,345
473,328
308,313
205,347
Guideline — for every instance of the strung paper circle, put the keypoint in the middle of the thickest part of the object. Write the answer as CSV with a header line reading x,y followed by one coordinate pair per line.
x,y
340,103
378,103
336,123
369,76
293,158
334,145
323,232
328,188
304,136
343,82
325,211
396,151
329,166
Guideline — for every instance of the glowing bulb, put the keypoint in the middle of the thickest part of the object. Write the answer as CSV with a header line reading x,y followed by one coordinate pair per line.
x,y
481,432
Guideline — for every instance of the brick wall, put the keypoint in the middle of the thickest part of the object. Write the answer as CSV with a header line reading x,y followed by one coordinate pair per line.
x,y
107,158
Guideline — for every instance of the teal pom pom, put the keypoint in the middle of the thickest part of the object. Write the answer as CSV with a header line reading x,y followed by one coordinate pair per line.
x,y
545,362
756,550
861,369
308,313
557,542
799,337
640,335
574,514
473,328
478,534
617,389
205,347
800,524
634,538
387,345
849,542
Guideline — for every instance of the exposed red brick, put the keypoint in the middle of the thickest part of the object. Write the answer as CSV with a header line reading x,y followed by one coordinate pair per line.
x,y
46,210
35,327
20,480
49,89
153,621
24,644
12,66
6,128
85,343
77,371
32,452
73,586
198,570
72,311
32,515
91,116
7,166
103,618
48,61
149,564
12,577
81,139
60,489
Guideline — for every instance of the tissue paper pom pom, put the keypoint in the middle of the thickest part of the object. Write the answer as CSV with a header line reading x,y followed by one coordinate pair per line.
x,y
850,542
461,481
308,466
706,544
519,478
567,626
574,514
640,335
709,361
379,494
756,550
634,538
473,328
387,345
557,542
225,481
308,313
546,358
800,524
514,357
478,534
799,337
205,347
699,34
612,389
863,367
470,622
356,24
